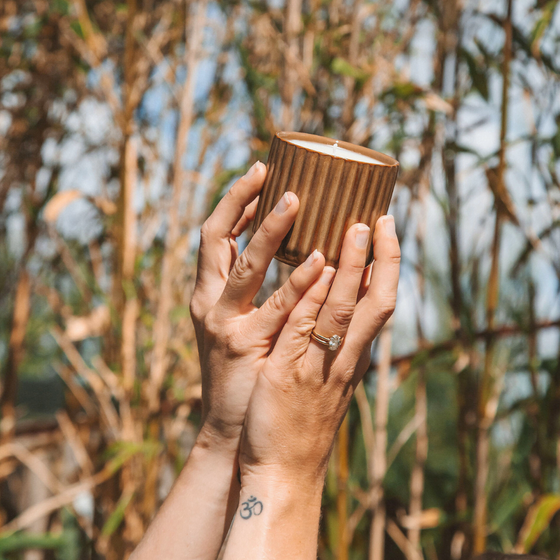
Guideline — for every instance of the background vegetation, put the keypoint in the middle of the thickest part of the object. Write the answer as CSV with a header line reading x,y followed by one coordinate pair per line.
x,y
121,126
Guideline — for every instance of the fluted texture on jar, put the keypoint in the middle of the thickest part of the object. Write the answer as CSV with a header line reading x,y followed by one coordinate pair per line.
x,y
334,194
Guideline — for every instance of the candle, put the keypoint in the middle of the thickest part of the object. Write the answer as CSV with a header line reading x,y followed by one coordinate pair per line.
x,y
336,151
338,184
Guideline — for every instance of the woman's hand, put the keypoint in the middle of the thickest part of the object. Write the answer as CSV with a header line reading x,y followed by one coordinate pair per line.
x,y
234,337
304,389
302,394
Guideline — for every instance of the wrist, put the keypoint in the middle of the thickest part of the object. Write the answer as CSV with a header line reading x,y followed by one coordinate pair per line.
x,y
277,518
282,484
213,441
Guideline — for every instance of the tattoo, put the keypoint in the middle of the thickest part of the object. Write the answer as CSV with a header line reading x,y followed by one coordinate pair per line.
x,y
251,507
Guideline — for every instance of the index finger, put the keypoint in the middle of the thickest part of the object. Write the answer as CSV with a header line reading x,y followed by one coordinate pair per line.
x,y
214,259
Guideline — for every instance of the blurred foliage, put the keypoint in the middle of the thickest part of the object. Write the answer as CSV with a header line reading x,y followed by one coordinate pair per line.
x,y
94,286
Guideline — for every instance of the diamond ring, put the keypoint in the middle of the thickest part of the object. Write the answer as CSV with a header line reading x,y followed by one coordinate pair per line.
x,y
333,342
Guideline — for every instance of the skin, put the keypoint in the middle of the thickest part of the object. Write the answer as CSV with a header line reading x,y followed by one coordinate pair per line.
x,y
301,397
272,398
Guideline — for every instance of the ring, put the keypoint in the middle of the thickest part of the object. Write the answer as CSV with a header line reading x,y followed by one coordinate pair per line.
x,y
333,342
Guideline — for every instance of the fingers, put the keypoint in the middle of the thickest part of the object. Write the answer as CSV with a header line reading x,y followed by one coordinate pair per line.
x,y
246,219
272,316
335,316
373,311
294,337
250,268
215,255
366,279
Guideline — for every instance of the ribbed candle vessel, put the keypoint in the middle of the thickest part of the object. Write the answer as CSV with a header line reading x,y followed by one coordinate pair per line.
x,y
334,193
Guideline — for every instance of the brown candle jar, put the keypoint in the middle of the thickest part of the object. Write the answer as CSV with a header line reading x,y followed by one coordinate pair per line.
x,y
334,194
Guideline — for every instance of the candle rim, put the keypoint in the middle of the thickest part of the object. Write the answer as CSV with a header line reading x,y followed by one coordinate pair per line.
x,y
386,161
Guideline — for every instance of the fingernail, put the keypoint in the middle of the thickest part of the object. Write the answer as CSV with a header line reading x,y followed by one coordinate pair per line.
x,y
311,259
389,224
283,204
253,170
328,275
362,236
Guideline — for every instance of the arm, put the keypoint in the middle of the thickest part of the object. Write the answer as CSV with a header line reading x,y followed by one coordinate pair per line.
x,y
302,395
233,339
278,517
195,517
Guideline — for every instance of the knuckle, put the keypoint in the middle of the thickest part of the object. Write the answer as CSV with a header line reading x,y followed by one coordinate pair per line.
x,y
277,301
243,267
211,325
303,328
196,309
206,231
342,314
265,228
217,330
355,268
386,308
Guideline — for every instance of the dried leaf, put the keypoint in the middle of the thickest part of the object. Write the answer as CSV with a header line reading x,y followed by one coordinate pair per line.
x,y
94,324
58,203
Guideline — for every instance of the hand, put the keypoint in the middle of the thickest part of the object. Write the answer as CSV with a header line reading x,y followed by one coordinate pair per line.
x,y
304,389
234,337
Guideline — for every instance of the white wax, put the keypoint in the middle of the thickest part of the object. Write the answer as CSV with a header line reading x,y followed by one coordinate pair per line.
x,y
335,151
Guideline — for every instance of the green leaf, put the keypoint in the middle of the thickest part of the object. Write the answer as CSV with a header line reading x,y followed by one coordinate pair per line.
x,y
538,519
344,68
542,24
23,541
116,517
478,75
77,28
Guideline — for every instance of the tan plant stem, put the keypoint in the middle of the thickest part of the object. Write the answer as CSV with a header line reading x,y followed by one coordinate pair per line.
x,y
417,477
485,418
379,459
20,318
342,491
158,364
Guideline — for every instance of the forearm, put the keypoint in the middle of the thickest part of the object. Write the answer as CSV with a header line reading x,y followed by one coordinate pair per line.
x,y
277,518
193,520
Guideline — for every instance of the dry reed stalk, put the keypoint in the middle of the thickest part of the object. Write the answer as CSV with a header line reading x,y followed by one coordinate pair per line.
x,y
503,331
75,442
342,473
417,477
349,81
537,460
16,350
102,394
406,547
379,458
33,463
485,418
290,85
64,498
128,347
158,364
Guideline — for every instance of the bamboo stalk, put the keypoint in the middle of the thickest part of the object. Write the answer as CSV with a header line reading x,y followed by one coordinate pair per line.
x,y
20,318
158,364
484,420
417,478
290,86
379,459
349,81
342,491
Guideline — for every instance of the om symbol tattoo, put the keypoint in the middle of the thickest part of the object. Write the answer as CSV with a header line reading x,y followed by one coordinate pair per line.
x,y
251,507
